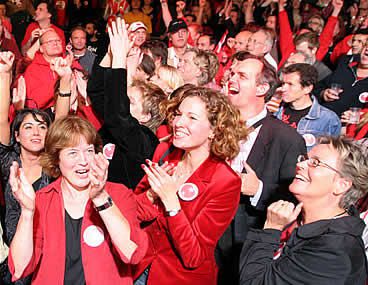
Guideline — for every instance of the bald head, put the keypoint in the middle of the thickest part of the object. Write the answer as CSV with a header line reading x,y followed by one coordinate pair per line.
x,y
241,40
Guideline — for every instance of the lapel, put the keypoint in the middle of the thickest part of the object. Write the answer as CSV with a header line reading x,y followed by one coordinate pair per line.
x,y
260,147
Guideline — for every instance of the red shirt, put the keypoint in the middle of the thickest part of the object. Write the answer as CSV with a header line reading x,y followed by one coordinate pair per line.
x,y
32,26
103,263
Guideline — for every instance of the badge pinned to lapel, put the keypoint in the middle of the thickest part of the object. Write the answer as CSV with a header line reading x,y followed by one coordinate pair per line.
x,y
188,192
108,150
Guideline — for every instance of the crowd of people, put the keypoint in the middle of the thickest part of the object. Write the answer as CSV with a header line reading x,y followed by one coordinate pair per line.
x,y
183,142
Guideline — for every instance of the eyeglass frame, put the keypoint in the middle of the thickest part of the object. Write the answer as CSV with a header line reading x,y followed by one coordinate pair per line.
x,y
305,157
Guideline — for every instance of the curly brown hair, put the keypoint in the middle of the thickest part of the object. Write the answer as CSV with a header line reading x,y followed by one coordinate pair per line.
x,y
225,120
63,133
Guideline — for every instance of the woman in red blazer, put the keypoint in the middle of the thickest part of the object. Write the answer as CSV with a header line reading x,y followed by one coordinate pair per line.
x,y
189,194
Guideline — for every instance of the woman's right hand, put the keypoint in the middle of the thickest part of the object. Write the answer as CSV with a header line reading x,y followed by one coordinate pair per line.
x,y
21,188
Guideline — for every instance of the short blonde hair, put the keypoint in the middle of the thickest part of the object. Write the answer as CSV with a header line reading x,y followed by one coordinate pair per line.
x,y
171,76
224,118
63,133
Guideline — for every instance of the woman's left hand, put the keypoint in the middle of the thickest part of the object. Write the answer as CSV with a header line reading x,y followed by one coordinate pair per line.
x,y
98,175
164,185
281,213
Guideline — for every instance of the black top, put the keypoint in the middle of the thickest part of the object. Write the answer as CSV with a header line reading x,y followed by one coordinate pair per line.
x,y
74,273
324,252
292,117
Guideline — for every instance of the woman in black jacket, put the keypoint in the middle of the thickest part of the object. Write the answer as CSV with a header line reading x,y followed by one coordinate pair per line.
x,y
318,241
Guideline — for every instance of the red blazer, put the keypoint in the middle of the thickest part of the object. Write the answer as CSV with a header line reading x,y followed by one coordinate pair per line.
x,y
103,263
181,248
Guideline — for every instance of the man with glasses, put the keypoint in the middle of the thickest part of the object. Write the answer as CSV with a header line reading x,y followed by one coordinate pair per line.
x,y
319,240
260,44
39,77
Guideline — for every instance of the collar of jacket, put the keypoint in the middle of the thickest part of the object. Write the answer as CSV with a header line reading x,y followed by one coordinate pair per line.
x,y
315,110
349,224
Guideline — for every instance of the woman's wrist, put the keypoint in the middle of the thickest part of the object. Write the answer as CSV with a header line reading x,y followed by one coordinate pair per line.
x,y
100,198
171,203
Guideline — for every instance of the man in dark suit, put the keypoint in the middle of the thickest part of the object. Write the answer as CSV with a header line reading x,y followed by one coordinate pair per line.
x,y
266,161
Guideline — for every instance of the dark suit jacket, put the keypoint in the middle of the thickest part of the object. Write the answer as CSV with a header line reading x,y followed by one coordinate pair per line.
x,y
273,157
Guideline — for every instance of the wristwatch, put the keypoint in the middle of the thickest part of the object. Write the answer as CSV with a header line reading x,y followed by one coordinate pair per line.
x,y
105,206
172,213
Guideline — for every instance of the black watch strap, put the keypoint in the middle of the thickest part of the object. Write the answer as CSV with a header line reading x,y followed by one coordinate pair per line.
x,y
105,206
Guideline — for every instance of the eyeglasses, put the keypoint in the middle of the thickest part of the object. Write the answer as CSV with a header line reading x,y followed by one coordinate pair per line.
x,y
52,42
315,162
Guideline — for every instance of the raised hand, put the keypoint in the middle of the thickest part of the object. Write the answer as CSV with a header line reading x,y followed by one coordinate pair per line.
x,y
98,175
119,42
281,213
62,66
337,6
21,188
6,61
19,94
250,181
36,33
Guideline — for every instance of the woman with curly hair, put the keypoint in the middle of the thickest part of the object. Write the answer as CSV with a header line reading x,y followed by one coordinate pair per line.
x,y
190,194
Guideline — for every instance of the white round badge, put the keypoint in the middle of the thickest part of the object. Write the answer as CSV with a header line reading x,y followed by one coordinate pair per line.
x,y
310,140
108,150
93,236
188,191
363,97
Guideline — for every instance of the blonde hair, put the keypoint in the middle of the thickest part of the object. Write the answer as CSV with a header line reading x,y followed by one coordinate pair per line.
x,y
170,76
224,118
63,133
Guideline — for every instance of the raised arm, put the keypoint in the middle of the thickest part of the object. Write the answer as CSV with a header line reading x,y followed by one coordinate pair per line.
x,y
166,15
22,246
6,63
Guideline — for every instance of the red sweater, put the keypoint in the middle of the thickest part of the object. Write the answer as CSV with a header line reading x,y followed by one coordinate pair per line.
x,y
287,43
103,263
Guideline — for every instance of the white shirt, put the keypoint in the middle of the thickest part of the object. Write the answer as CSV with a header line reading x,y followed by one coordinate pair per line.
x,y
245,149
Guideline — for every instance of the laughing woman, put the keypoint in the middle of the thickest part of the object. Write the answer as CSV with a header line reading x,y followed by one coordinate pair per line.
x,y
188,210
80,229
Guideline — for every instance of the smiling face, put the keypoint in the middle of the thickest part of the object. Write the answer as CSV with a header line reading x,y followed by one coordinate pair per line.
x,y
75,163
358,42
31,134
187,68
242,85
140,37
319,182
192,129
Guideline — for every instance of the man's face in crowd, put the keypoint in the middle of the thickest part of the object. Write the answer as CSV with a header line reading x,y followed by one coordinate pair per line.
x,y
291,89
140,36
241,41
78,40
295,58
51,44
304,47
42,13
358,42
271,22
243,83
257,44
90,29
180,38
204,43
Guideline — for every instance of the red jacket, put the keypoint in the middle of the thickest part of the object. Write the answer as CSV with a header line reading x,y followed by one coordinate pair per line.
x,y
103,263
287,43
181,249
32,26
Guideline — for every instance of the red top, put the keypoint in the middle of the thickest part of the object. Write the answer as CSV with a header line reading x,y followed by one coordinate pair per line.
x,y
103,263
340,49
287,43
32,26
181,249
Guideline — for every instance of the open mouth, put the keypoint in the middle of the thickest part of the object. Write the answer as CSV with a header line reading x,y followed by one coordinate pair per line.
x,y
179,134
232,89
301,178
82,173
